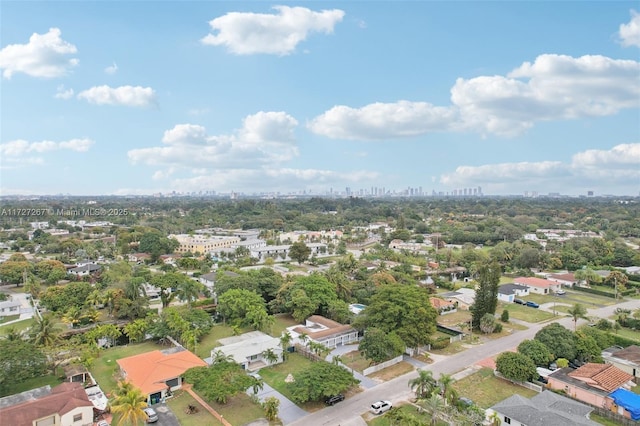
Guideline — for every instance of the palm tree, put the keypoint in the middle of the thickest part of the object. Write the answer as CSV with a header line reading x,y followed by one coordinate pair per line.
x,y
622,315
130,406
219,356
285,342
270,406
44,332
257,384
91,315
270,356
304,338
577,311
434,407
73,316
495,419
337,360
448,392
13,335
189,291
424,384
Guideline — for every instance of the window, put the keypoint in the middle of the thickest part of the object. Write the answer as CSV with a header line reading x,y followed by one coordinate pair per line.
x,y
507,420
77,417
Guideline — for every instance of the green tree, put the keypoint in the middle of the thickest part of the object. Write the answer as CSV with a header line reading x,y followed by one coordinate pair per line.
x,y
536,351
587,348
560,341
449,393
487,323
19,360
129,405
43,332
320,381
516,366
243,307
270,356
220,381
405,310
271,406
424,385
136,330
486,299
504,317
587,275
285,343
577,312
299,251
378,345
14,272
434,407
189,291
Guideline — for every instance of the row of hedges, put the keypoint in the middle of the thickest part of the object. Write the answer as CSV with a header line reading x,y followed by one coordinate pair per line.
x,y
604,293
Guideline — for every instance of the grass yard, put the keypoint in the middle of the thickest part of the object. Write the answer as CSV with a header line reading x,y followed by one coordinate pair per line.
x,y
274,376
179,404
282,322
50,379
453,348
238,410
356,361
210,341
407,408
105,366
455,318
486,390
525,313
18,326
629,334
589,300
393,371
9,318
602,420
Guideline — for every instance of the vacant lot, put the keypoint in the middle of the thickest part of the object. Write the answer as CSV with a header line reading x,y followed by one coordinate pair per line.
x,y
485,390
393,371
454,319
179,404
238,410
356,361
524,313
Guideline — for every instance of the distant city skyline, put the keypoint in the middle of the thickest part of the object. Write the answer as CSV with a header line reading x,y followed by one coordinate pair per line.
x,y
148,97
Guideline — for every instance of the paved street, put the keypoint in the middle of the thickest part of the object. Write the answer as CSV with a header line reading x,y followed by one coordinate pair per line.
x,y
397,389
288,411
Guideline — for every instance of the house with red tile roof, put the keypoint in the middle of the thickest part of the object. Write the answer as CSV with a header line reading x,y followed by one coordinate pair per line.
x,y
64,405
158,373
592,383
442,306
538,285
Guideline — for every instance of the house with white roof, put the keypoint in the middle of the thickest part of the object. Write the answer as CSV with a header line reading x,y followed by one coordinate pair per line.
x,y
249,349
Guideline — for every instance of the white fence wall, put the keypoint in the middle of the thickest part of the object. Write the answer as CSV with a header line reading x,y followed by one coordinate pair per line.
x,y
382,365
527,385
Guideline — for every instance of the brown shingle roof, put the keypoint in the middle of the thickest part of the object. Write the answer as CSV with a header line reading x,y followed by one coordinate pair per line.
x,y
631,353
62,399
319,319
601,376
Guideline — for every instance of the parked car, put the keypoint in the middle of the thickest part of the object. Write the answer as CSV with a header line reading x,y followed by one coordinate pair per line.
x,y
561,292
334,399
532,304
380,407
151,414
519,301
465,401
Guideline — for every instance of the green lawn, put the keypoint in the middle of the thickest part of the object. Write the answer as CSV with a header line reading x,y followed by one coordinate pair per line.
x,y
486,390
19,326
282,322
602,420
384,419
179,404
589,300
9,318
105,366
274,376
50,379
210,341
525,313
238,410
629,334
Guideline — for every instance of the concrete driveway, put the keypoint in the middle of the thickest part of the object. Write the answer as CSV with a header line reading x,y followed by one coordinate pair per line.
x,y
288,411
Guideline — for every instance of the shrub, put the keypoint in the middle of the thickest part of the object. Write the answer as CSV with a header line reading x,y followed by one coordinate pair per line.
x,y
497,328
505,316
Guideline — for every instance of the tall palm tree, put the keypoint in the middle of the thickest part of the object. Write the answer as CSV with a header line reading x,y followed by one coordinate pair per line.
x,y
189,291
257,384
285,342
44,332
577,311
446,385
434,407
424,385
304,338
130,406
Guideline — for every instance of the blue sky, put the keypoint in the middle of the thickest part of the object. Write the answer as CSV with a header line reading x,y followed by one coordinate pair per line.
x,y
143,97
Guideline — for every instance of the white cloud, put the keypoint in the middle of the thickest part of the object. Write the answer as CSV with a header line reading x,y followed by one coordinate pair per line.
x,y
45,56
133,96
21,147
553,87
630,32
111,69
265,138
278,34
619,166
63,93
382,120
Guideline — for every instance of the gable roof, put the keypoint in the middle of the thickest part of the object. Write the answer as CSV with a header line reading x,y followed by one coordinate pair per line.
x,y
546,408
534,282
508,289
58,400
564,277
150,371
438,303
602,376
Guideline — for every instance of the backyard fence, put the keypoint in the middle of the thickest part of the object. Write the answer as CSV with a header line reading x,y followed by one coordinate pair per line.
x,y
305,352
527,385
378,367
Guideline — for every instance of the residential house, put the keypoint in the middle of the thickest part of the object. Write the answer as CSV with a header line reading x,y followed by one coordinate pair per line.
x,y
627,359
9,307
632,270
85,270
463,297
625,403
158,373
325,331
138,257
546,408
567,280
209,279
249,349
591,383
64,405
538,285
442,306
509,292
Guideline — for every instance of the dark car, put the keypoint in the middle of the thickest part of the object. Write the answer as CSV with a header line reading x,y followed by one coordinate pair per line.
x,y
519,301
533,305
334,399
